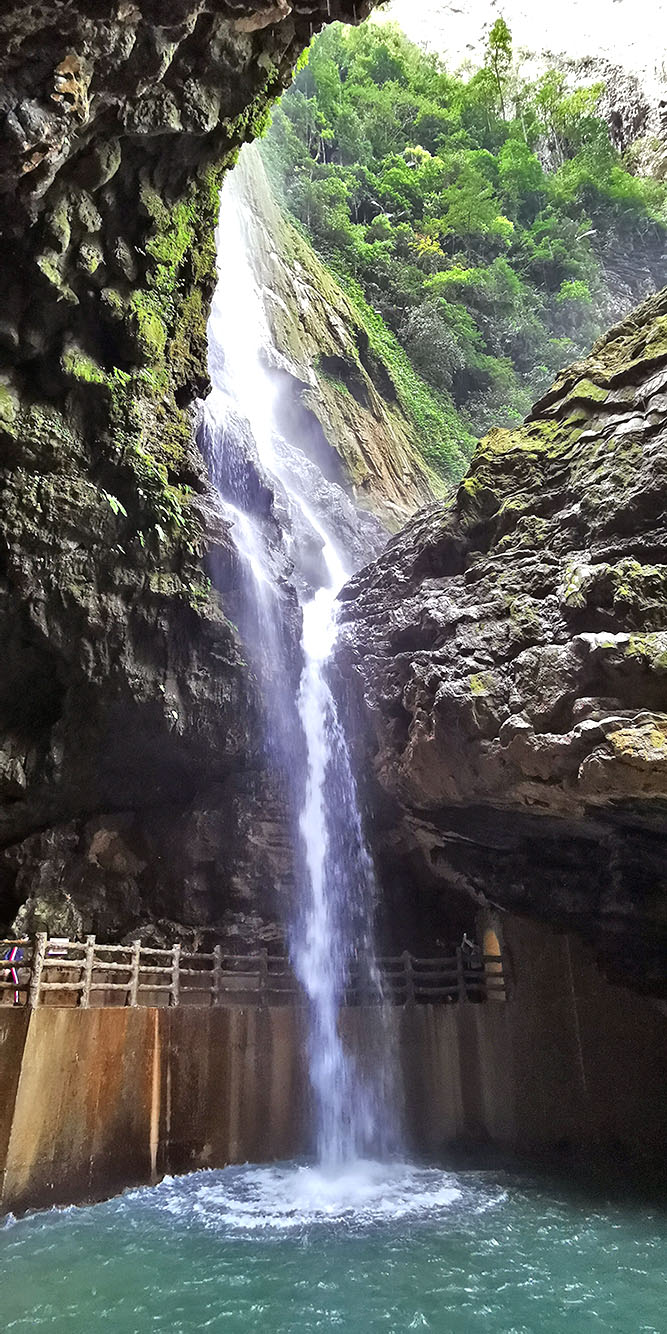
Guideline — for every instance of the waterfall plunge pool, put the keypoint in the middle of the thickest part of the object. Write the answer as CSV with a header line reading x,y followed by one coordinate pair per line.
x,y
370,1247
376,1249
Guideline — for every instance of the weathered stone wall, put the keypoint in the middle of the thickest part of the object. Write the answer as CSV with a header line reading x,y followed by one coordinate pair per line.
x,y
95,1100
506,659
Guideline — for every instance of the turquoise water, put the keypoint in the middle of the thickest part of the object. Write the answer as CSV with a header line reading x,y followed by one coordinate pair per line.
x,y
287,1251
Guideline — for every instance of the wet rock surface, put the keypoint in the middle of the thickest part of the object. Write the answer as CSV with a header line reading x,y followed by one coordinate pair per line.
x,y
508,659
335,399
134,786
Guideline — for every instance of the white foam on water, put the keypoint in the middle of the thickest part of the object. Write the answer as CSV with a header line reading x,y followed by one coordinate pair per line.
x,y
285,1197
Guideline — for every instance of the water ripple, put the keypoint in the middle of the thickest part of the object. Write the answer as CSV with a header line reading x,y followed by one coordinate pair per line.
x,y
291,1250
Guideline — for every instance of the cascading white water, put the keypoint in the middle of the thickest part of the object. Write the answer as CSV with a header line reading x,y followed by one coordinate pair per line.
x,y
335,923
332,922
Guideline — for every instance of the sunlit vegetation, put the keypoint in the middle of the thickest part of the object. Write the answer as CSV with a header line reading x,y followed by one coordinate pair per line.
x,y
487,222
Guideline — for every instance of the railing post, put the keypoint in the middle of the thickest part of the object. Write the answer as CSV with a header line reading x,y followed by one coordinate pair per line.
x,y
174,994
84,994
216,984
409,978
135,963
38,956
461,975
263,976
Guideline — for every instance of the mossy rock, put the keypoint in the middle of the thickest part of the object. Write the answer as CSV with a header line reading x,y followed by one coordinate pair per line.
x,y
77,365
649,650
643,746
588,392
9,403
146,328
482,683
476,501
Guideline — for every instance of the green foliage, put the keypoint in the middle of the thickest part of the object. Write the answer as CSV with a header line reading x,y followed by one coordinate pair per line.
x,y
473,223
445,443
81,368
115,505
499,59
575,290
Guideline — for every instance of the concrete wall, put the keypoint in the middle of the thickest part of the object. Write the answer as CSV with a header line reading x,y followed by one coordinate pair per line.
x,y
567,1061
95,1100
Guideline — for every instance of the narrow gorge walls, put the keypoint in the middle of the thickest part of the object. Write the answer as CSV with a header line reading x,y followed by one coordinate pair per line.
x,y
335,400
504,659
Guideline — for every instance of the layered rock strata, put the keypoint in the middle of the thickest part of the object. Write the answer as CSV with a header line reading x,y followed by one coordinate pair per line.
x,y
509,658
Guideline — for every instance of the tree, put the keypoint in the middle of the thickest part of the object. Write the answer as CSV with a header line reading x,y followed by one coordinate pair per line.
x,y
432,346
499,58
521,180
548,100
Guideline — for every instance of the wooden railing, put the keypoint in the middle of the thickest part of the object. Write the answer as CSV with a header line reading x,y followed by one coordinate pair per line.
x,y
87,973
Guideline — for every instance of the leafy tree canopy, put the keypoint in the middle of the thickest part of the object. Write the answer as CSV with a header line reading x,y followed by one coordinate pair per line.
x,y
486,227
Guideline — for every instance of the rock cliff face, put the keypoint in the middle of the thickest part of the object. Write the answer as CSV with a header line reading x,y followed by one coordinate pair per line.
x,y
510,661
511,652
335,396
132,781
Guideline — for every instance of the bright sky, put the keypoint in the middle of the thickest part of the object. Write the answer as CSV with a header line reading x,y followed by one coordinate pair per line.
x,y
631,33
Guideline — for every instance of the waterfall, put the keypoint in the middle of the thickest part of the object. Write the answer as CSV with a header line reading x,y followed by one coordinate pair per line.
x,y
334,927
331,923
